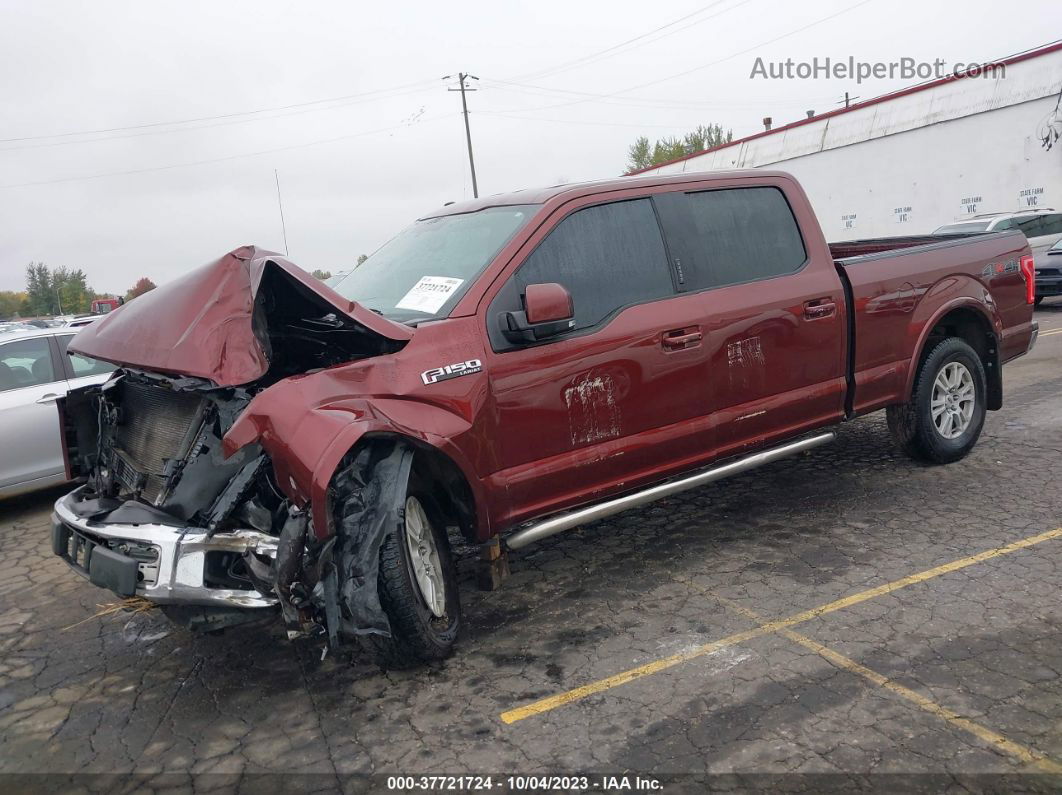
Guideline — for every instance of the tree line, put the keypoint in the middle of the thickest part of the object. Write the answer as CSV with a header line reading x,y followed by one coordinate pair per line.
x,y
57,291
643,154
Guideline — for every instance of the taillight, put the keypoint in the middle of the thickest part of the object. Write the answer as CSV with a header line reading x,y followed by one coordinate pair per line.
x,y
1028,271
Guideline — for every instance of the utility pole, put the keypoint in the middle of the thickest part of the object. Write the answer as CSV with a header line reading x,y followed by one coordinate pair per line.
x,y
461,78
283,226
59,298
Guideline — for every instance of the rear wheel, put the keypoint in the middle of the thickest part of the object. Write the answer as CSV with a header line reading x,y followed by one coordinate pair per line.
x,y
943,421
418,585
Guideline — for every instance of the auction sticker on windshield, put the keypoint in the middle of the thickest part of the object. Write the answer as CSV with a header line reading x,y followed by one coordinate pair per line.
x,y
429,294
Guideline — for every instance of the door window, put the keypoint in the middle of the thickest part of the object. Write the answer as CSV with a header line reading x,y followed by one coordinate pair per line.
x,y
82,365
608,256
731,236
1036,226
26,363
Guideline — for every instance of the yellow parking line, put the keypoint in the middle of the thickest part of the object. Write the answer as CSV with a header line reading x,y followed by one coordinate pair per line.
x,y
993,738
570,696
1049,333
1017,750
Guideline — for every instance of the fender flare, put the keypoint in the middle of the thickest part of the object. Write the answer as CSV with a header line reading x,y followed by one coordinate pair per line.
x,y
992,321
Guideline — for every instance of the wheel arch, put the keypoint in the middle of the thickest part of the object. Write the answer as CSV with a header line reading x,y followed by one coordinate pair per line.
x,y
970,321
457,495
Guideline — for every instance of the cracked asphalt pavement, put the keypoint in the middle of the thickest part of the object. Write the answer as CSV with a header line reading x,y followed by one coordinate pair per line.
x,y
955,675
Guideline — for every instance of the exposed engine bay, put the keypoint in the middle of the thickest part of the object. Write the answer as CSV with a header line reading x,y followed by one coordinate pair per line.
x,y
164,514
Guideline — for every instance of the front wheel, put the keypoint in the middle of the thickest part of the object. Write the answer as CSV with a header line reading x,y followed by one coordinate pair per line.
x,y
418,585
943,421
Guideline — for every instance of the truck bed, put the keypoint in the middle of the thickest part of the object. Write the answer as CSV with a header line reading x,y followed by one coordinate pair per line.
x,y
887,280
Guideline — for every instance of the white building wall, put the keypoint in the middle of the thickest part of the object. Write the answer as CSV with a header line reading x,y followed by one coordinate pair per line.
x,y
909,164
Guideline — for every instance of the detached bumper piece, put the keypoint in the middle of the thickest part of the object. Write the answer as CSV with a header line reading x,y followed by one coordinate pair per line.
x,y
164,564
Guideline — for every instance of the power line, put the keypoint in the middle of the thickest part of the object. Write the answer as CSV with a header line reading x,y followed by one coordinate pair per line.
x,y
610,51
226,158
643,102
149,132
403,89
578,121
704,65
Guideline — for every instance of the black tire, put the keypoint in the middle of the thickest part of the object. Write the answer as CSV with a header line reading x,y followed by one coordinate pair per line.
x,y
417,634
1039,300
912,425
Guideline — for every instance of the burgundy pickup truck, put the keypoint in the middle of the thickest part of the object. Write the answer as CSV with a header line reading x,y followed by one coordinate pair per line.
x,y
504,369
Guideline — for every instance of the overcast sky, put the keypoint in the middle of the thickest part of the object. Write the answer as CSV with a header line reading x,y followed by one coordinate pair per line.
x,y
360,166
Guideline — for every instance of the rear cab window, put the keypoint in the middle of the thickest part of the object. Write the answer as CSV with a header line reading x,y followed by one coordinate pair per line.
x,y
731,236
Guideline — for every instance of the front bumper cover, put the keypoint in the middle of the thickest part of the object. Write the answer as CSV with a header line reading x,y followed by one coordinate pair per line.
x,y
163,564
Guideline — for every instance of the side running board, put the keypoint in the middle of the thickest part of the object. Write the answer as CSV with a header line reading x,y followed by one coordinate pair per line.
x,y
536,531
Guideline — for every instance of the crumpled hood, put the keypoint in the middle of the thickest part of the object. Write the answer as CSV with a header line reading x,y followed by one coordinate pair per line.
x,y
204,323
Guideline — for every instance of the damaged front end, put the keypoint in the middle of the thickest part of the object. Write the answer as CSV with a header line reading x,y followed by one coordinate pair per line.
x,y
164,513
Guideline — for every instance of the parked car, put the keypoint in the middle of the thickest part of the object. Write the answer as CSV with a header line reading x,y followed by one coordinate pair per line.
x,y
84,320
35,371
1042,228
513,366
1049,273
14,325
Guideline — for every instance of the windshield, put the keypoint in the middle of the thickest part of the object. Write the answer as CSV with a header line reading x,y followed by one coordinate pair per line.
x,y
424,271
962,229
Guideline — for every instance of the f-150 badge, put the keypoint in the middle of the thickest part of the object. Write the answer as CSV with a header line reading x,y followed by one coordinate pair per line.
x,y
437,374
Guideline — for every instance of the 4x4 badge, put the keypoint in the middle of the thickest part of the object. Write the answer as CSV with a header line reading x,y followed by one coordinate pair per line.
x,y
437,374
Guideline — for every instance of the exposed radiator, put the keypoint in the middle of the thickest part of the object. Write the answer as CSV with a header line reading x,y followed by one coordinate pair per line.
x,y
156,425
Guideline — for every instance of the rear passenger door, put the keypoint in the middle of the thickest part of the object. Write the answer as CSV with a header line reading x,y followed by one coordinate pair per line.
x,y
775,328
583,412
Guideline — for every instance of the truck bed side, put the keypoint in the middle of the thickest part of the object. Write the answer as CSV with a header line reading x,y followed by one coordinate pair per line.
x,y
903,288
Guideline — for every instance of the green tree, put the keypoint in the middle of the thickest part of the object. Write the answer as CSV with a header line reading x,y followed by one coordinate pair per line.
x,y
642,154
322,275
41,298
53,292
73,290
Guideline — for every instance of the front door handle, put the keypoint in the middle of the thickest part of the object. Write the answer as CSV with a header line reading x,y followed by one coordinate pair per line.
x,y
819,308
681,337
49,398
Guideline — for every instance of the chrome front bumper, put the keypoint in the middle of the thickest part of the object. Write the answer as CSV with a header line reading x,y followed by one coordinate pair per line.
x,y
172,575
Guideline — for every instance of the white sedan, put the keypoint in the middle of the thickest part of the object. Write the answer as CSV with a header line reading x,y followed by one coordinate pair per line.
x,y
35,371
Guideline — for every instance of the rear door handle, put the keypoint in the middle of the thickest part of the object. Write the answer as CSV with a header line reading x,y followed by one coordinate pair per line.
x,y
49,398
819,308
681,338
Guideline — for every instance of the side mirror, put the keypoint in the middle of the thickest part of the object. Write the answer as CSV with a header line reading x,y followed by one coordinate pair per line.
x,y
548,311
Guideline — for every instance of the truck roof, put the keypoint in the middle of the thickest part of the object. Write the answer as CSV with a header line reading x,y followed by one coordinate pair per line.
x,y
572,190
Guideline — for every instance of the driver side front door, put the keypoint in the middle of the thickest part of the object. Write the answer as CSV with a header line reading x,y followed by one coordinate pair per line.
x,y
583,413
